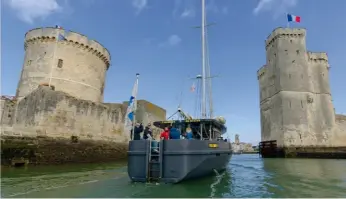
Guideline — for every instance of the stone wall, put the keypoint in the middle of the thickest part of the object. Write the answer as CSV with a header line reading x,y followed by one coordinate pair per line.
x,y
45,112
149,113
47,150
341,129
7,111
53,127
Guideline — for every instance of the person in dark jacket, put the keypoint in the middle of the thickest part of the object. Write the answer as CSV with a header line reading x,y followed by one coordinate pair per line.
x,y
137,131
148,132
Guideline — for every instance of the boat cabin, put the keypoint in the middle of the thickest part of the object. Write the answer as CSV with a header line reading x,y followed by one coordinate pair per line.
x,y
204,129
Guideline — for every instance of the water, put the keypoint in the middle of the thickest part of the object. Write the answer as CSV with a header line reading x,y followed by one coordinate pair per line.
x,y
246,176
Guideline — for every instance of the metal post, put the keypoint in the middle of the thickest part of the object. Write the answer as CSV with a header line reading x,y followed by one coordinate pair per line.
x,y
210,133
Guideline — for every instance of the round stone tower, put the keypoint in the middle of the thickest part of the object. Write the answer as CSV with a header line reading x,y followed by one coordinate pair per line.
x,y
65,60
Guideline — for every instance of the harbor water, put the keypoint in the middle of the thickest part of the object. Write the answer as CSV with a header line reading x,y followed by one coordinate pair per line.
x,y
247,175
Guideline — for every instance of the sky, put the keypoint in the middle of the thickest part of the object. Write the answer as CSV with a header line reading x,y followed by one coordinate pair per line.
x,y
156,38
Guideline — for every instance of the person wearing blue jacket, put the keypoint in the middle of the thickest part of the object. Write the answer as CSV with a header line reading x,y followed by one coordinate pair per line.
x,y
189,134
174,133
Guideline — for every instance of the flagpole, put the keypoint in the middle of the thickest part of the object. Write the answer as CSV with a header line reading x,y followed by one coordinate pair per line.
x,y
288,22
55,48
135,107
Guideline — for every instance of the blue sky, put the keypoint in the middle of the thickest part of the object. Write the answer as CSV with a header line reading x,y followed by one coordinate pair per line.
x,y
155,38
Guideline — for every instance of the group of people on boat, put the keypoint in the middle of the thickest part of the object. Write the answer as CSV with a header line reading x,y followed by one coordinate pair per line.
x,y
138,129
167,134
172,133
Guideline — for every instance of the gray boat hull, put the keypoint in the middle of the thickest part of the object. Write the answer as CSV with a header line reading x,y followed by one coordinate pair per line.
x,y
180,159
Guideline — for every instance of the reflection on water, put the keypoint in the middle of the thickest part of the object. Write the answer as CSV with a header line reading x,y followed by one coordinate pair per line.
x,y
246,176
307,177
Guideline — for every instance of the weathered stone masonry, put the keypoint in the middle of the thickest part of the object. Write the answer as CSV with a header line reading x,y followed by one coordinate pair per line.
x,y
295,98
66,122
79,64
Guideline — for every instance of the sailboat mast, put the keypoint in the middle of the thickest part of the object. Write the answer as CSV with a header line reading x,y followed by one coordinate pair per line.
x,y
203,63
208,74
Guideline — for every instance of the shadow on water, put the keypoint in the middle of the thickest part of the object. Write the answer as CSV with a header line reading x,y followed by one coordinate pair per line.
x,y
246,176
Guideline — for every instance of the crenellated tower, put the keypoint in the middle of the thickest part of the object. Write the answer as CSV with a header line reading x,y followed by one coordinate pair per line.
x,y
76,64
295,100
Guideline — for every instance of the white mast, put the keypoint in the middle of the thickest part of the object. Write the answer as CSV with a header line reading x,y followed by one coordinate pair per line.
x,y
208,74
203,63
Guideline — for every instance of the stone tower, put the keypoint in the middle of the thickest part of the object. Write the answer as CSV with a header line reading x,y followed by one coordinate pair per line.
x,y
76,64
236,139
295,100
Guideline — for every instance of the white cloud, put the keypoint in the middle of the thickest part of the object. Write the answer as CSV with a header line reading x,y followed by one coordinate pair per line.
x,y
212,7
172,40
278,7
184,9
139,5
30,10
188,13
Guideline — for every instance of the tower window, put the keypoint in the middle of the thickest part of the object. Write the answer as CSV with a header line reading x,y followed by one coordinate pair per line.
x,y
297,52
29,62
60,63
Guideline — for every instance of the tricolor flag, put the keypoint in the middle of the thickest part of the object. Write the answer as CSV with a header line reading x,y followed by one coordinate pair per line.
x,y
132,106
59,27
193,87
293,18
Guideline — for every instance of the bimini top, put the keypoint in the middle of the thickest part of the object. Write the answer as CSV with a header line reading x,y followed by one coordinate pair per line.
x,y
194,122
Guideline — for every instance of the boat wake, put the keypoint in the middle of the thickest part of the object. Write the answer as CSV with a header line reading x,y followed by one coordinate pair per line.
x,y
217,181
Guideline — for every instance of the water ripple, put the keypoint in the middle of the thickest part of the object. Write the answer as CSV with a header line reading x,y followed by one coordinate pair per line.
x,y
246,176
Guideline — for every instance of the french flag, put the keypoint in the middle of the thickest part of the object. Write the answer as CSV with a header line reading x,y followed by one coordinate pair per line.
x,y
193,87
59,27
293,18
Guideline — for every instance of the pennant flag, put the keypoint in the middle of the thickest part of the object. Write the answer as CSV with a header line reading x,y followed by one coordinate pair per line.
x,y
293,18
193,87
